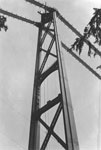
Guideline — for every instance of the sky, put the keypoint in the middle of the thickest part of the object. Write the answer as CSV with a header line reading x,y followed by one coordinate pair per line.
x,y
17,63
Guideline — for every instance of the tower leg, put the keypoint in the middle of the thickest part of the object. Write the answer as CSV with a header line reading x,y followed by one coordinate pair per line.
x,y
34,137
69,121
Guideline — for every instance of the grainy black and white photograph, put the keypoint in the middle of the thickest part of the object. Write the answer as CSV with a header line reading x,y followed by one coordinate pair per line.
x,y
50,75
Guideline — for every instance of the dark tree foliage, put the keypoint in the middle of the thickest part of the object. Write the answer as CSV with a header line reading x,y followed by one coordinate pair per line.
x,y
92,29
78,44
2,23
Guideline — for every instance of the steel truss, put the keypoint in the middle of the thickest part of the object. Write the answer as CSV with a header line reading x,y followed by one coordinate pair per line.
x,y
48,24
48,20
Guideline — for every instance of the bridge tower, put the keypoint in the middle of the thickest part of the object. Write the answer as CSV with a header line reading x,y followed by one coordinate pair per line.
x,y
48,27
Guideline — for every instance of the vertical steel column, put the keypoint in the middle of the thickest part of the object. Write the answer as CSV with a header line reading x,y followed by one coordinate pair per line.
x,y
34,137
69,122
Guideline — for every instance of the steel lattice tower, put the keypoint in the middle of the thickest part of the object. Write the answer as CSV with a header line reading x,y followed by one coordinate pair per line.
x,y
48,27
63,98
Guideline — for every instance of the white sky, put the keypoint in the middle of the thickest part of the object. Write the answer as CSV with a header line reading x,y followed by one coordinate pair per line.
x,y
17,60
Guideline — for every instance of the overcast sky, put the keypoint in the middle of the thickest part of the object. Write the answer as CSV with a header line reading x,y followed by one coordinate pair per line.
x,y
17,61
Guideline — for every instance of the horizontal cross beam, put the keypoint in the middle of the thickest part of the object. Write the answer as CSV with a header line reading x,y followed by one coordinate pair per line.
x,y
19,17
49,105
40,5
77,32
81,61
